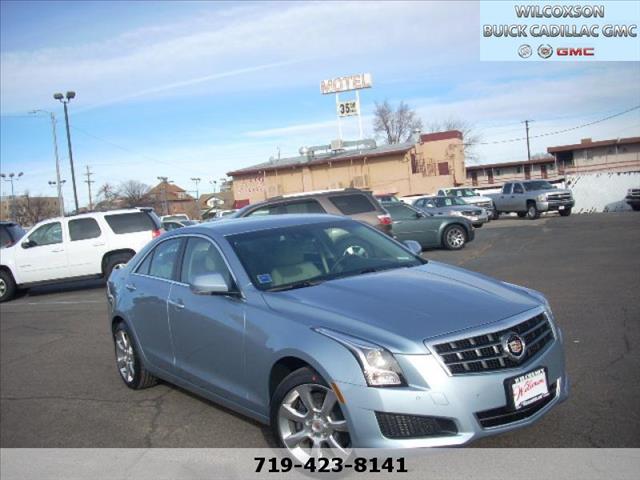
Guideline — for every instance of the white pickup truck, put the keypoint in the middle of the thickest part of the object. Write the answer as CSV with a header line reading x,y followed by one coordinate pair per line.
x,y
82,246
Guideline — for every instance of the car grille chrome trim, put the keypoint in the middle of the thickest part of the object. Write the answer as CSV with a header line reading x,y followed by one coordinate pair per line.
x,y
484,353
555,197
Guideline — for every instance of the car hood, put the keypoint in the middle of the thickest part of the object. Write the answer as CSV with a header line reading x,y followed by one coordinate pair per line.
x,y
555,190
400,308
477,198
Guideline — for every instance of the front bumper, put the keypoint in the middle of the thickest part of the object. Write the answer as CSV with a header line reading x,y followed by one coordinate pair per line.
x,y
433,392
553,206
478,220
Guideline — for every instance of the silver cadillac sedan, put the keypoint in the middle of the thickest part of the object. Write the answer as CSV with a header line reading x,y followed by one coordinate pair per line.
x,y
334,334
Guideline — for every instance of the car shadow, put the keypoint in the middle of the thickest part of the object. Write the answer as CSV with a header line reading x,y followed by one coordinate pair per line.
x,y
81,285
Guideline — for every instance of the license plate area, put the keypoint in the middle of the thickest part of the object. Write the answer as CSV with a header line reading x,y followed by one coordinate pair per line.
x,y
527,388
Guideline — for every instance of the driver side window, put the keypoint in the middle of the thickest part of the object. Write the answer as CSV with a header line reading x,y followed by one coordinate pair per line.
x,y
517,188
201,257
48,234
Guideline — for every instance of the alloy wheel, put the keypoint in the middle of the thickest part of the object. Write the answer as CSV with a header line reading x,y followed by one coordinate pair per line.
x,y
455,238
311,423
3,287
124,356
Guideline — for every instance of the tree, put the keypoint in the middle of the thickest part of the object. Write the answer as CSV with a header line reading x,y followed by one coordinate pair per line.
x,y
395,125
134,193
30,210
107,197
470,136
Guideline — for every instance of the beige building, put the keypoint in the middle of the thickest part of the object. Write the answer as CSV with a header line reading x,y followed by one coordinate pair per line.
x,y
432,161
493,175
615,155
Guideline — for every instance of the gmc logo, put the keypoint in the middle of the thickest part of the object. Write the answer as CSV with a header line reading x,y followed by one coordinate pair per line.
x,y
575,52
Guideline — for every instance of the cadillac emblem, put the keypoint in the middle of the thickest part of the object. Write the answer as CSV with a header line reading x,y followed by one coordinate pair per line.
x,y
513,345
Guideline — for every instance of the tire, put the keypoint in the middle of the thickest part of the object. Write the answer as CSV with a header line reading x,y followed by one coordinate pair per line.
x,y
532,211
7,286
495,215
128,362
454,237
522,214
479,225
304,431
636,208
113,261
565,213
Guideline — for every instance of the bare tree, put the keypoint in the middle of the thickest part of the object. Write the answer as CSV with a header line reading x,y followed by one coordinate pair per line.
x,y
134,193
395,125
470,136
107,197
30,210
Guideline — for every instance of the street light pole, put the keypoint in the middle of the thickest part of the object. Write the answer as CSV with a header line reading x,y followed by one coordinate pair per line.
x,y
196,180
58,182
65,100
10,178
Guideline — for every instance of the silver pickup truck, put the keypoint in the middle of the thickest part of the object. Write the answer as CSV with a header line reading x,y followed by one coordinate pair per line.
x,y
530,198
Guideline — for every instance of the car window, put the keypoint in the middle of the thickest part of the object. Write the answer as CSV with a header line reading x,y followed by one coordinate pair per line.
x,y
401,212
83,229
306,206
5,237
170,226
48,234
507,188
130,222
517,188
165,257
352,204
266,210
429,204
143,268
200,258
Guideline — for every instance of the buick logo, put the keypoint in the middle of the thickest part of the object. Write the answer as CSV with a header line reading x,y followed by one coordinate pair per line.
x,y
513,345
525,51
545,50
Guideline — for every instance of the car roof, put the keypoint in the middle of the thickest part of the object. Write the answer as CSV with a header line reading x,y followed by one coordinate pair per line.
x,y
234,226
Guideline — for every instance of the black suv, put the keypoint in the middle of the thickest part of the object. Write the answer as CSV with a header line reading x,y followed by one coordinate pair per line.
x,y
10,233
351,202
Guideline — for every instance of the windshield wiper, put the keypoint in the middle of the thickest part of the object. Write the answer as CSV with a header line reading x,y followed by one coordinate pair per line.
x,y
293,286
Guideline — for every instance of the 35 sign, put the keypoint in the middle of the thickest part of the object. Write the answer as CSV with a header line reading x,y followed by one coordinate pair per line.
x,y
348,108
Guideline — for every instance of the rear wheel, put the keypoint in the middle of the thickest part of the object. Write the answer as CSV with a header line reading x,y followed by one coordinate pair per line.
x,y
128,360
565,213
495,215
117,260
307,419
7,286
532,211
454,237
636,208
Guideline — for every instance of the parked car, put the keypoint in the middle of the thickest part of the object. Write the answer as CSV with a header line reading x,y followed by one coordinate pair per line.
x,y
351,202
10,233
531,198
270,318
469,196
215,214
82,246
633,198
173,224
452,206
177,217
387,198
428,230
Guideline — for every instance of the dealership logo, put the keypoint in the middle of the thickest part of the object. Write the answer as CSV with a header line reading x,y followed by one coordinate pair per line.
x,y
575,52
545,50
513,345
525,51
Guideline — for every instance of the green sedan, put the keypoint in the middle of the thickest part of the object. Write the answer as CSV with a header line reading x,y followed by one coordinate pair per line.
x,y
430,231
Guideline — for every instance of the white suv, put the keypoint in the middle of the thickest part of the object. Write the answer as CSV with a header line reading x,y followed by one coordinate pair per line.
x,y
77,247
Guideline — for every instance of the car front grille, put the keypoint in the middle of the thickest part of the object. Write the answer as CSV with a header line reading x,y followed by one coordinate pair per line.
x,y
497,417
559,197
395,425
484,353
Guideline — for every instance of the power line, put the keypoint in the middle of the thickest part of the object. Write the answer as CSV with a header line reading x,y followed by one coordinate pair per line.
x,y
556,132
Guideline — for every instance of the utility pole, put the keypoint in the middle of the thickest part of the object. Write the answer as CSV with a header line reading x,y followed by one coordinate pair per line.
x,y
88,181
196,180
65,100
526,124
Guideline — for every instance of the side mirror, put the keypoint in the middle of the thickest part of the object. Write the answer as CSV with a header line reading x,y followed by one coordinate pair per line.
x,y
210,284
413,246
28,244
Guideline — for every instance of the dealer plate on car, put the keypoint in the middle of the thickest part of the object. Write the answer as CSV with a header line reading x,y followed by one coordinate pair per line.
x,y
528,388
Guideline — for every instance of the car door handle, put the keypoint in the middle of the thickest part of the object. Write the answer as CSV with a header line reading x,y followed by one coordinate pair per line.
x,y
177,304
98,244
130,287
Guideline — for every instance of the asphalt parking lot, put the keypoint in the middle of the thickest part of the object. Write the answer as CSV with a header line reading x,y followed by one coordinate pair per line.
x,y
59,386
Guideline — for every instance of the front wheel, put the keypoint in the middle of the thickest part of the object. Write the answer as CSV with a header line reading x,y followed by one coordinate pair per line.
x,y
128,360
7,286
495,215
307,419
565,213
454,237
532,211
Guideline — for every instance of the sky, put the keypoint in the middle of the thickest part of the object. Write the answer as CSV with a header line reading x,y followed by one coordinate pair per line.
x,y
197,89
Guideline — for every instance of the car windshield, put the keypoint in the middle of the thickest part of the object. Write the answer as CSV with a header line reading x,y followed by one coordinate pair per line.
x,y
537,185
449,201
463,192
301,256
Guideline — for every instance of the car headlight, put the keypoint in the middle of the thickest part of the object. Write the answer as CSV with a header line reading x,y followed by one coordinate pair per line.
x,y
455,213
378,365
542,197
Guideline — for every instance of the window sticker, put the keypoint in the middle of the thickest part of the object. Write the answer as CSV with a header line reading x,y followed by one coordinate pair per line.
x,y
264,278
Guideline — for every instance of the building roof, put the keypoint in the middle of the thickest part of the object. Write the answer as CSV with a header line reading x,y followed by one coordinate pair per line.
x,y
174,192
588,143
344,155
534,161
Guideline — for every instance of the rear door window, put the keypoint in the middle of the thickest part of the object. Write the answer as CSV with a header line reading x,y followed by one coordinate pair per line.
x,y
353,204
130,222
305,206
84,229
165,259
